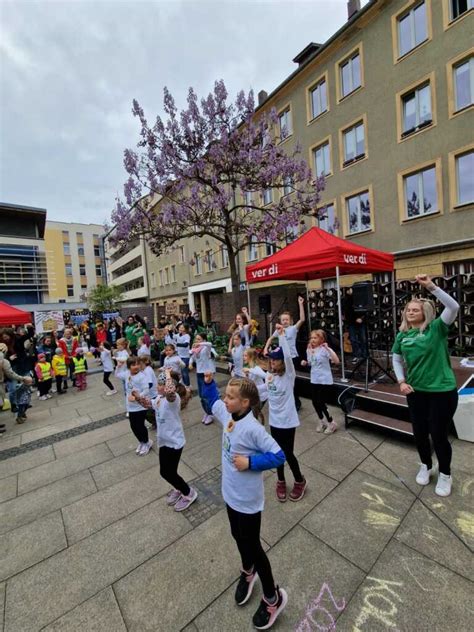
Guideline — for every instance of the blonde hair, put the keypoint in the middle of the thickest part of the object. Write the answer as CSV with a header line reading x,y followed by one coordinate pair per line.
x,y
429,312
251,356
145,359
319,332
123,342
247,389
286,314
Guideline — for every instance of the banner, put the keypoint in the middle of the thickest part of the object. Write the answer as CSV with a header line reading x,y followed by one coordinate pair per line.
x,y
49,321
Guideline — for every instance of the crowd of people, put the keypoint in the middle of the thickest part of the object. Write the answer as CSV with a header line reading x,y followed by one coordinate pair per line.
x,y
159,394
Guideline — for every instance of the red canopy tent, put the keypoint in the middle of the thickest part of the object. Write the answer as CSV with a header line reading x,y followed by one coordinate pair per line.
x,y
316,255
10,315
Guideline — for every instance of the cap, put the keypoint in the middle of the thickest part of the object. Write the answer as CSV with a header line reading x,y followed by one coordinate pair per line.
x,y
58,350
41,356
276,354
161,379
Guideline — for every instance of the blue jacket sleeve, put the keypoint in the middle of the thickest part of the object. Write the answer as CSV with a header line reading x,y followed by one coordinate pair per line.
x,y
210,393
266,460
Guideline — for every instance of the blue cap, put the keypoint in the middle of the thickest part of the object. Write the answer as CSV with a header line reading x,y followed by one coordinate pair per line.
x,y
276,354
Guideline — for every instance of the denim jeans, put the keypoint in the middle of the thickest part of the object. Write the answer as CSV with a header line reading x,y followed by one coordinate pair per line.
x,y
358,340
204,404
185,371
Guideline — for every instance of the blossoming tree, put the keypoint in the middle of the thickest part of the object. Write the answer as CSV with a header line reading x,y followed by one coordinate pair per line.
x,y
217,169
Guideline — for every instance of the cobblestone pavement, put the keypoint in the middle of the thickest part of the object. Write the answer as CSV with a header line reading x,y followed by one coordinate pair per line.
x,y
88,543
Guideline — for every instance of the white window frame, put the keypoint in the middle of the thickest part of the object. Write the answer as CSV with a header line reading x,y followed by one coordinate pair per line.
x,y
312,94
167,276
182,256
345,135
160,272
82,266
267,195
324,223
327,144
285,123
198,264
456,171
173,273
470,5
98,270
470,61
361,230
252,249
153,280
410,15
224,256
270,249
419,174
350,61
288,185
66,248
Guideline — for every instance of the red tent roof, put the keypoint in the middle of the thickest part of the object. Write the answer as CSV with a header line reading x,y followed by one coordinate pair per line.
x,y
315,255
10,315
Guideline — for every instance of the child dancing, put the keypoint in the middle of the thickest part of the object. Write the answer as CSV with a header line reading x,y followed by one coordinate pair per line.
x,y
319,356
136,384
247,450
201,356
108,366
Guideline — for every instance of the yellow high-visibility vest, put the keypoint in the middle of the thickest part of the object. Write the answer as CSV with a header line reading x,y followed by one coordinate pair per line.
x,y
45,368
79,365
59,365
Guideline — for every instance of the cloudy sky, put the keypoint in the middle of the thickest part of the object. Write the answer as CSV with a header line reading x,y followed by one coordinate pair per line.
x,y
69,70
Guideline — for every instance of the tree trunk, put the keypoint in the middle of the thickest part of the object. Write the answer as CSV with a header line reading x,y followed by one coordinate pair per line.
x,y
234,278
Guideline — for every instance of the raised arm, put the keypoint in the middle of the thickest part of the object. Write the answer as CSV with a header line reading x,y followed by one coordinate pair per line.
x,y
451,306
332,354
302,316
283,342
210,393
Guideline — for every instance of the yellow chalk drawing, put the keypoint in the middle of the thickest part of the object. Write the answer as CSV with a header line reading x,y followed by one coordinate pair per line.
x,y
379,487
378,500
429,533
465,523
423,571
381,590
380,520
465,485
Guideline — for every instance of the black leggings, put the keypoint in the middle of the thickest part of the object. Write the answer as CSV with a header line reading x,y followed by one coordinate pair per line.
x,y
245,530
297,365
431,414
169,461
137,424
106,380
285,437
44,387
318,396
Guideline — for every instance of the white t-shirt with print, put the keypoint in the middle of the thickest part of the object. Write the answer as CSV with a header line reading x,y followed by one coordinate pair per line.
x,y
290,334
203,359
169,427
182,343
151,379
319,360
281,401
106,359
238,360
137,383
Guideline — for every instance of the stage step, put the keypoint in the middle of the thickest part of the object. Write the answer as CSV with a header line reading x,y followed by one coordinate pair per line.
x,y
380,396
368,417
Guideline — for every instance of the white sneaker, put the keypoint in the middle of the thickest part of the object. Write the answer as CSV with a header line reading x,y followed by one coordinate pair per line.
x,y
146,447
424,474
320,426
209,419
114,392
127,415
37,393
443,486
48,396
139,447
43,398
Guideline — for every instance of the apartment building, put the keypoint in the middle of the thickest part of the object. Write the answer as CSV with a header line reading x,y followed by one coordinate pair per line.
x,y
23,266
385,110
126,267
75,260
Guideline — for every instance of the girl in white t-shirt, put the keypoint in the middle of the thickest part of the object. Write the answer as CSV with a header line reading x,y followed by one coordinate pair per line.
x,y
170,437
143,348
236,351
258,377
291,333
120,358
172,360
107,365
319,357
283,416
202,357
247,450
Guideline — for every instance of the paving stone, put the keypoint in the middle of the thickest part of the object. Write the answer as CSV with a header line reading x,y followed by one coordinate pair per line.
x,y
279,518
8,487
359,517
375,468
204,563
122,467
33,505
50,472
54,428
88,439
407,591
204,457
2,605
319,583
41,594
90,514
98,614
26,461
370,438
7,441
190,628
336,457
198,434
401,458
31,543
97,412
456,510
463,455
423,531
306,436
123,444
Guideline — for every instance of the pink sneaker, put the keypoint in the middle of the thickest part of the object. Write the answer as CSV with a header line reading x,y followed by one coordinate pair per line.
x,y
209,419
173,497
184,501
267,613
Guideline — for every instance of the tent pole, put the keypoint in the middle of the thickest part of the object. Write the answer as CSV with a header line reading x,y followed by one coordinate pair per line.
x,y
394,305
308,309
248,300
341,335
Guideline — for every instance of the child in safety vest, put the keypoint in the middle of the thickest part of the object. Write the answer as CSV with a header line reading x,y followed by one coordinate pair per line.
x,y
60,370
80,369
44,373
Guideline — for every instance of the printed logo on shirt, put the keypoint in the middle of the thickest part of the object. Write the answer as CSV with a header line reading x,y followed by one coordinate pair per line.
x,y
412,339
226,448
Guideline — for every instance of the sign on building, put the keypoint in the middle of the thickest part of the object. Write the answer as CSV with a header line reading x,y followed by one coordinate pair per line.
x,y
49,321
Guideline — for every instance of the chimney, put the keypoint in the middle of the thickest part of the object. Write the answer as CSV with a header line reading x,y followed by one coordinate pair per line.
x,y
352,7
262,96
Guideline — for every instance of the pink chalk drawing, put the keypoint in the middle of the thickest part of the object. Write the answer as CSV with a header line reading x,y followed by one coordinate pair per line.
x,y
316,610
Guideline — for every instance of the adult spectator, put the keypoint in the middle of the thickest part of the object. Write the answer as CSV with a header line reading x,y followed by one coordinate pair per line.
x,y
163,322
355,322
113,332
6,372
240,326
69,346
131,334
48,346
429,384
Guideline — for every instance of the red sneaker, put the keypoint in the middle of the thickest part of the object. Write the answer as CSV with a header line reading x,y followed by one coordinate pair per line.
x,y
298,490
281,491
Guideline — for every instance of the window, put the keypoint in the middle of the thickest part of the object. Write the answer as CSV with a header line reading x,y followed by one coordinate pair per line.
x,y
266,138
80,251
167,276
252,250
318,99
464,178
160,273
322,160
420,193
209,259
359,215
287,185
65,235
248,198
350,75
67,248
70,290
412,29
458,267
224,257
98,270
327,218
353,142
96,251
173,274
267,196
416,109
459,7
270,249
463,84
382,277
329,284
292,233
198,264
82,269
80,238
182,257
285,123
68,269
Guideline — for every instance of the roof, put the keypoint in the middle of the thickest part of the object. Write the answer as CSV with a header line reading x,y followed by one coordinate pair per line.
x,y
16,209
10,315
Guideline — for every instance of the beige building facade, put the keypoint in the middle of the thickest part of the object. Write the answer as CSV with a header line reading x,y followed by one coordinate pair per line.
x,y
385,111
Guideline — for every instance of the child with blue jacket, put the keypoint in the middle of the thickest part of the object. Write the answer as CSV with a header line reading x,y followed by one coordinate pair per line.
x,y
247,450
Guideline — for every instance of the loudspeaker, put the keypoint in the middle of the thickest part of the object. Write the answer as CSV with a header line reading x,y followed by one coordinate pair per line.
x,y
362,296
265,304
